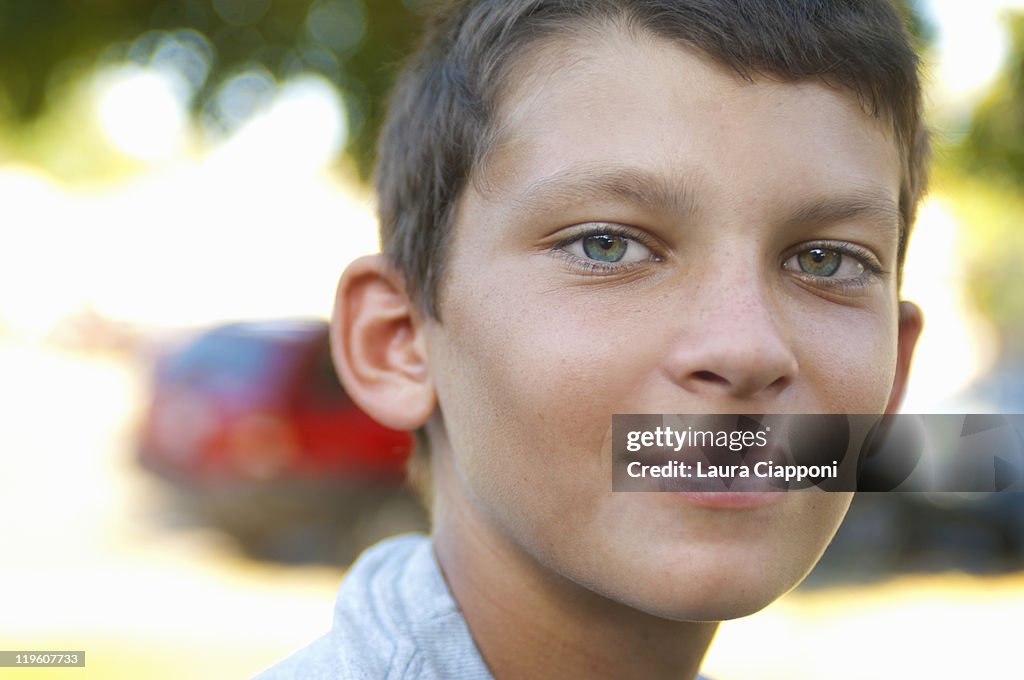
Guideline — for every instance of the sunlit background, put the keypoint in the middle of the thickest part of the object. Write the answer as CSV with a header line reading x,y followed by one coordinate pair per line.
x,y
168,166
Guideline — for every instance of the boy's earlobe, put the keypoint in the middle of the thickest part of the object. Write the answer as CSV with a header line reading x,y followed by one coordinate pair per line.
x,y
910,324
379,347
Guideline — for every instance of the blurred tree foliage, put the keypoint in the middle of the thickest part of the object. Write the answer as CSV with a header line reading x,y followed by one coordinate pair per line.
x,y
993,241
356,44
994,143
983,176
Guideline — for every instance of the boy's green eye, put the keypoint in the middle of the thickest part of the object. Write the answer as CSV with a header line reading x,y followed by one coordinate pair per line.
x,y
827,263
605,247
820,262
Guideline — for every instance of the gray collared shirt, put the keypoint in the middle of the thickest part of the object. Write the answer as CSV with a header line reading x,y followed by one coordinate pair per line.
x,y
394,618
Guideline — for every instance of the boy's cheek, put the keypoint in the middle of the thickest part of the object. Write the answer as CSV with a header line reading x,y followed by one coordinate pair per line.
x,y
850,366
504,383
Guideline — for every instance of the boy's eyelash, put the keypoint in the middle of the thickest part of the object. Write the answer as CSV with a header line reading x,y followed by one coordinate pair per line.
x,y
606,229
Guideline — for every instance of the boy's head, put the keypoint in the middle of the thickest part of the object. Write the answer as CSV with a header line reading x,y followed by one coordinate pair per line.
x,y
636,206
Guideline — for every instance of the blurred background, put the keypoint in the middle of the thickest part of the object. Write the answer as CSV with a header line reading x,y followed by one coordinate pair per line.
x,y
182,481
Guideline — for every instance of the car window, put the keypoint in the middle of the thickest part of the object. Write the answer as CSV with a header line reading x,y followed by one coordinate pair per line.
x,y
220,360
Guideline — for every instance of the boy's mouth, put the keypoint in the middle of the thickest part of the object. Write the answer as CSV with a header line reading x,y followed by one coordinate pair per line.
x,y
696,469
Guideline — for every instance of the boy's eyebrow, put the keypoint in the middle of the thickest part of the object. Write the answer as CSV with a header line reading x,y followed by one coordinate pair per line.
x,y
875,206
635,185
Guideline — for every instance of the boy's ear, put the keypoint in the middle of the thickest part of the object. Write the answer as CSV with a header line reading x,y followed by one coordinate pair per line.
x,y
910,324
379,348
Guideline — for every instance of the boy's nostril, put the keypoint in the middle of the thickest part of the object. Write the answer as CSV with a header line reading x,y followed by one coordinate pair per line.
x,y
709,376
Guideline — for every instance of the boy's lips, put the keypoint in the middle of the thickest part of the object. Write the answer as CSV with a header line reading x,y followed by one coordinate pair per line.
x,y
725,493
734,490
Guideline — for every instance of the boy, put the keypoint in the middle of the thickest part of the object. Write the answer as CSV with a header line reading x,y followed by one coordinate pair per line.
x,y
617,206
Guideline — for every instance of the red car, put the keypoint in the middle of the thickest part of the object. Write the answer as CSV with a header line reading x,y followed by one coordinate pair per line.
x,y
250,421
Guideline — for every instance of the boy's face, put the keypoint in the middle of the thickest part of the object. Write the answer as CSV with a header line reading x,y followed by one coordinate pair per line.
x,y
653,234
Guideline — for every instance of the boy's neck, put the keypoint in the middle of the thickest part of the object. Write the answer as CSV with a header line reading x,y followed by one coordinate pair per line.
x,y
529,622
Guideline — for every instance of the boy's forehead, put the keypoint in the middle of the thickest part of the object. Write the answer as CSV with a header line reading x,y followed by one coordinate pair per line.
x,y
664,119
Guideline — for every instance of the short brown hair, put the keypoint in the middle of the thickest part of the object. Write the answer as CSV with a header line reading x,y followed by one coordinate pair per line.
x,y
444,105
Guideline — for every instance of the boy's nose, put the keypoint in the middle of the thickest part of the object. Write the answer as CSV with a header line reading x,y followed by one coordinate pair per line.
x,y
734,347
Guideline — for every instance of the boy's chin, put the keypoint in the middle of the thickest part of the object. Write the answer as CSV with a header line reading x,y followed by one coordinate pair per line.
x,y
735,593
735,606
714,578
